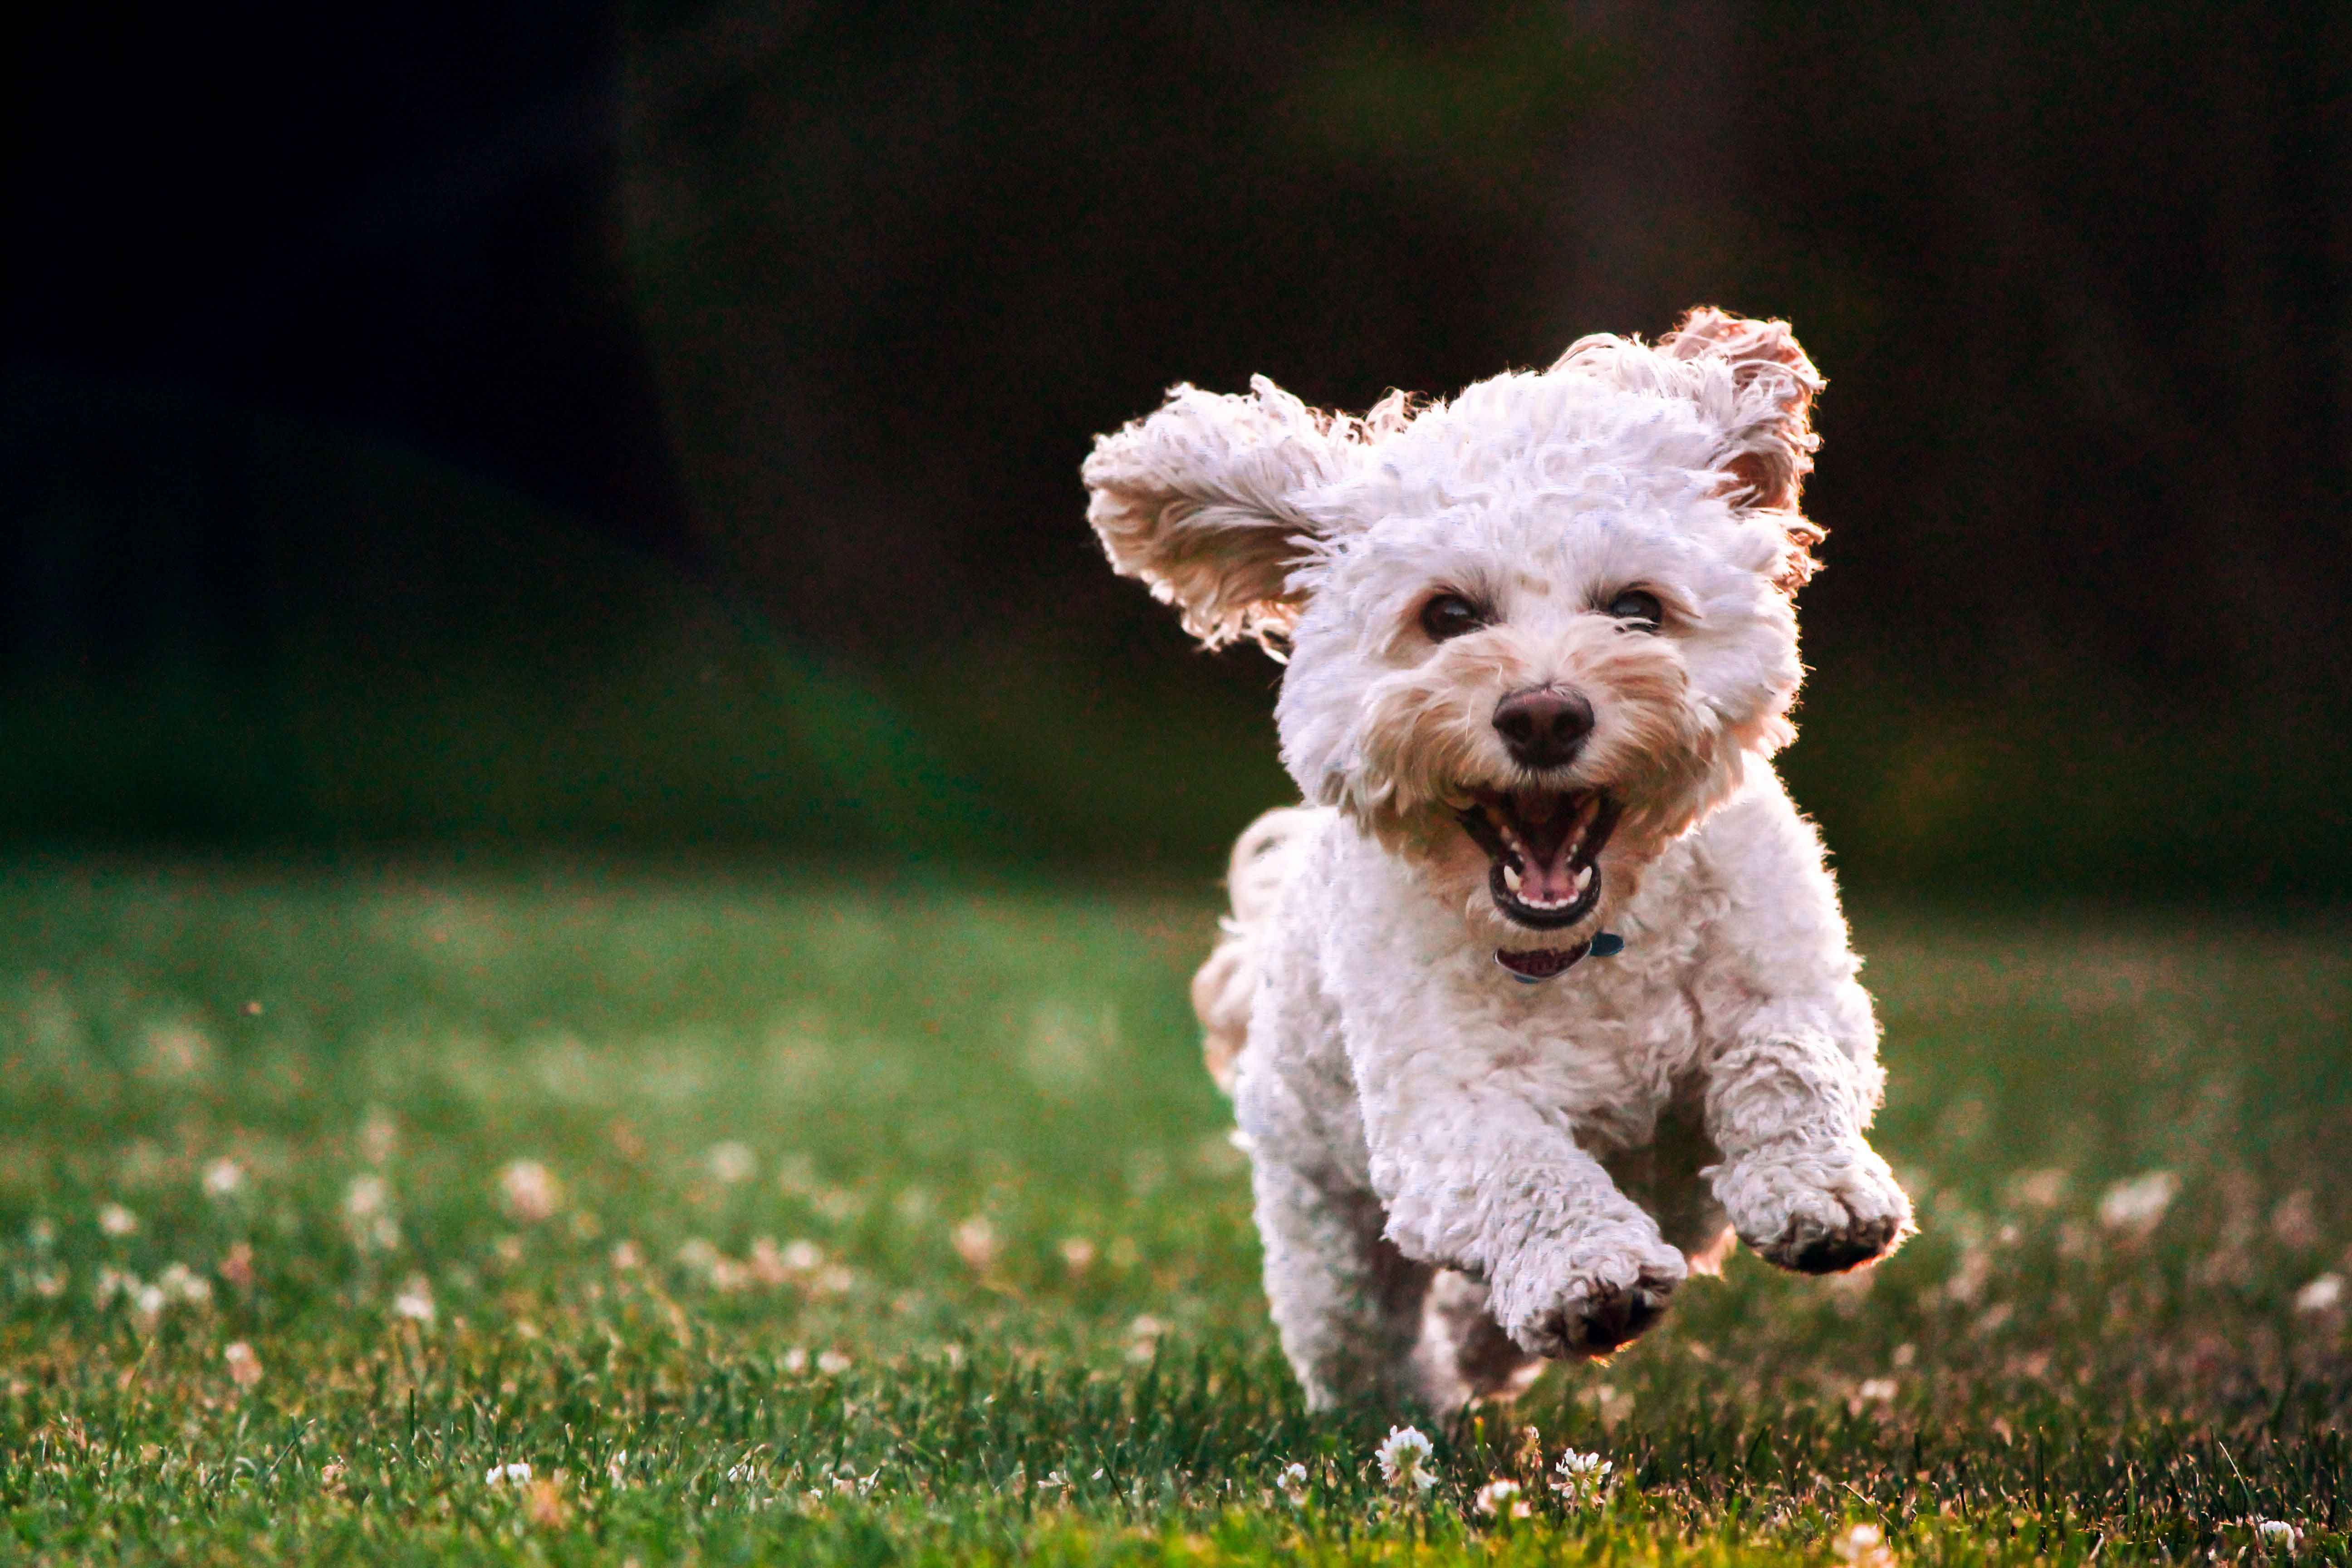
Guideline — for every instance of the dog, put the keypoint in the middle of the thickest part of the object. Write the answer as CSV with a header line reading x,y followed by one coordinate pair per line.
x,y
1545,995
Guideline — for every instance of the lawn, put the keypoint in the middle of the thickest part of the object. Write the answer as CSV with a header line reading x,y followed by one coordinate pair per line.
x,y
488,1215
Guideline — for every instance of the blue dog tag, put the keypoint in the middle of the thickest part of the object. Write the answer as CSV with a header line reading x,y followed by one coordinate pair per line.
x,y
1605,944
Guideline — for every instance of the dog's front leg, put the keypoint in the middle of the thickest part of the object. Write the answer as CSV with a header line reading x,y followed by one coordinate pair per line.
x,y
1787,1108
1474,1179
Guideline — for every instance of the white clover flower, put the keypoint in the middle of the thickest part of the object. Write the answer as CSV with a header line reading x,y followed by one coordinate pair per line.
x,y
2278,1535
529,1191
731,1163
2324,1294
116,1220
832,1363
1878,1390
182,1284
1405,1456
507,1475
2135,1207
243,1367
975,1243
367,1214
1580,1479
223,1178
1500,1499
147,1304
366,1197
1293,1481
414,1301
113,1282
1863,1546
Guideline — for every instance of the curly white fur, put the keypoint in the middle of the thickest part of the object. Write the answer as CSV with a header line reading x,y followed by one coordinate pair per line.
x,y
1457,1173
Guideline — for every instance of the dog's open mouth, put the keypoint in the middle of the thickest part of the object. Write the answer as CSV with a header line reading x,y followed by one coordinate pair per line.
x,y
1546,847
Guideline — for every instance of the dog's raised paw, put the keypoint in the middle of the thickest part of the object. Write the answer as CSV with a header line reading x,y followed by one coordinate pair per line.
x,y
1602,1306
1836,1251
1817,1211
1610,1316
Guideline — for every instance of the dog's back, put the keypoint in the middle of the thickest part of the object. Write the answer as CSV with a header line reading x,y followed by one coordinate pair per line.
x,y
1222,991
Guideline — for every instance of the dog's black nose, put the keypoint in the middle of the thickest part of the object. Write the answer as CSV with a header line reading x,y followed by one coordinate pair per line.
x,y
1544,727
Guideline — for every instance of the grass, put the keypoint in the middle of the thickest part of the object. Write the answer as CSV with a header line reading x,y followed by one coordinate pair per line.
x,y
774,1218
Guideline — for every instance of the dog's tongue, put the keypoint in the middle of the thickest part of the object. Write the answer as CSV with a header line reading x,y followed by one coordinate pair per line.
x,y
1547,830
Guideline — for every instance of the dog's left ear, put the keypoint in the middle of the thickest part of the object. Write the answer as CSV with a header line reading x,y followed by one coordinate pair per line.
x,y
1755,387
1202,501
1770,440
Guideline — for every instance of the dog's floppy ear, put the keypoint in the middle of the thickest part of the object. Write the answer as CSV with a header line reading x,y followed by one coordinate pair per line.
x,y
1750,382
1769,442
1200,501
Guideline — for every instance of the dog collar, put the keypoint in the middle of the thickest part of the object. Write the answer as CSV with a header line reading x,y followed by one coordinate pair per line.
x,y
1551,962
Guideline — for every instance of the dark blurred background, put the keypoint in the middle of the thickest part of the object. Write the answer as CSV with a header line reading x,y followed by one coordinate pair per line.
x,y
658,429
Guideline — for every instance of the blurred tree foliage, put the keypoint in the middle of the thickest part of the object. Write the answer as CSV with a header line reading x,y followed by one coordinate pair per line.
x,y
2081,278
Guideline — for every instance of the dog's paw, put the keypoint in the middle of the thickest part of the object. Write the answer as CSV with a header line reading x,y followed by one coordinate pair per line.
x,y
1818,1209
1595,1299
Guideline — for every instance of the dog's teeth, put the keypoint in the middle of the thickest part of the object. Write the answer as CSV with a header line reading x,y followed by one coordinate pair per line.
x,y
1583,878
1511,877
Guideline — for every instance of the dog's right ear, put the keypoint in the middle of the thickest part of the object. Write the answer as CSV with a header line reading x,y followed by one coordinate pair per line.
x,y
1202,501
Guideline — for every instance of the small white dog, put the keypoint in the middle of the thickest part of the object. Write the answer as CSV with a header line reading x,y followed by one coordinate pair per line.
x,y
1547,993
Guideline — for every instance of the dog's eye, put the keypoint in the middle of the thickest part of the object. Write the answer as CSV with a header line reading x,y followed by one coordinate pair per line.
x,y
1634,606
1449,615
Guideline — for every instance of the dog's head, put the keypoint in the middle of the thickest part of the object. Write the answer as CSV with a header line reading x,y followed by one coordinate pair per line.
x,y
1535,633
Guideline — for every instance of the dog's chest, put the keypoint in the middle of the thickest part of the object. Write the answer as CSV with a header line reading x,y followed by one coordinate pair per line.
x,y
1605,1046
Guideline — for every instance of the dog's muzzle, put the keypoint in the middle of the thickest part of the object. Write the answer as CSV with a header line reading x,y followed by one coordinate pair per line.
x,y
1544,850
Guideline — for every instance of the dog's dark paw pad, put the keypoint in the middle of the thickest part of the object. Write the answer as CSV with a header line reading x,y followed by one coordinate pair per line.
x,y
1612,1316
1839,1250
